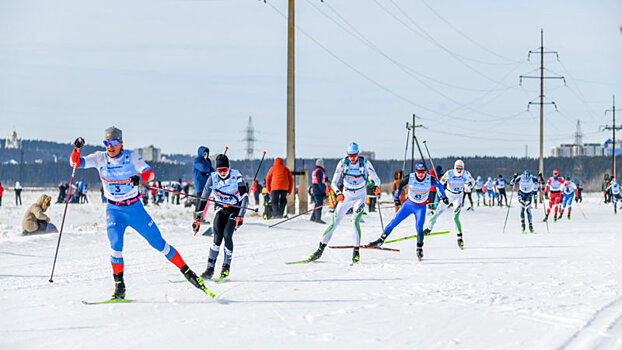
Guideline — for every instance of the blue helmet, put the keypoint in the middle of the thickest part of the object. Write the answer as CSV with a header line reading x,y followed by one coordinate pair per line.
x,y
420,166
353,148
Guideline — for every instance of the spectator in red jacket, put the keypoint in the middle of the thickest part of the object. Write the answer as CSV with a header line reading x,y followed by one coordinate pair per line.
x,y
279,183
1,191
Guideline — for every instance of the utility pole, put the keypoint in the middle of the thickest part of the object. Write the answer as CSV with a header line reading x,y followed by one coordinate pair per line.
x,y
291,116
412,127
541,103
613,129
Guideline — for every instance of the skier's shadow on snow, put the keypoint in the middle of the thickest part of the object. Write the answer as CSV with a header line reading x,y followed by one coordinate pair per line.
x,y
325,280
491,260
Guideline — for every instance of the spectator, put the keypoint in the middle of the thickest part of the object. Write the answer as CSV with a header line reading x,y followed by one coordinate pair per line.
x,y
318,189
35,220
371,196
1,191
18,193
178,187
280,183
202,168
397,178
256,190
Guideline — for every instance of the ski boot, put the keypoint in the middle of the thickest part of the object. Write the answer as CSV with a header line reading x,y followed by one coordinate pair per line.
x,y
224,273
119,287
378,242
546,217
426,231
531,228
555,217
356,256
318,253
192,277
419,250
522,226
209,272
568,215
460,241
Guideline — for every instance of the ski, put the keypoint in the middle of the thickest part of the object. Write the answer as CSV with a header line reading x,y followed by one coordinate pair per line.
x,y
109,301
363,247
204,289
306,261
222,279
415,236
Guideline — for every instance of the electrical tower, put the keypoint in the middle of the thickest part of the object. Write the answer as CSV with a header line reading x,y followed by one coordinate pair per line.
x,y
541,51
250,139
613,128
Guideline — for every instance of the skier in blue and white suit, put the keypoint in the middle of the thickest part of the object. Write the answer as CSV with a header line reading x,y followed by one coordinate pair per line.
x,y
121,172
352,173
569,189
455,179
527,191
419,184
230,196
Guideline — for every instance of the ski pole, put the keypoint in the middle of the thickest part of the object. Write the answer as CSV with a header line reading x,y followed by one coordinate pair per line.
x,y
380,212
508,211
199,197
62,224
578,205
425,143
259,166
226,149
295,216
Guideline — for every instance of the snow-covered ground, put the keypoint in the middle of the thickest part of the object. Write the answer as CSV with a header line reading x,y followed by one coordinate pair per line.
x,y
550,290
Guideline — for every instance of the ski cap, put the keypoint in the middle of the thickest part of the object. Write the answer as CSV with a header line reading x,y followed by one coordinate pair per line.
x,y
222,161
420,166
320,163
555,172
479,177
353,148
526,173
113,133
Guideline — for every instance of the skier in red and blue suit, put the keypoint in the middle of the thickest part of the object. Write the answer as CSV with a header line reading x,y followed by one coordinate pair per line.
x,y
554,189
419,185
121,172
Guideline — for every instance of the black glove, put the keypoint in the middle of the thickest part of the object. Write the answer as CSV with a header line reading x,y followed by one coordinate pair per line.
x,y
515,175
397,202
79,142
196,224
135,180
445,200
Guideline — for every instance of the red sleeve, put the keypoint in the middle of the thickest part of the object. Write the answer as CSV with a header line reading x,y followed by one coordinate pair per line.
x,y
147,176
74,160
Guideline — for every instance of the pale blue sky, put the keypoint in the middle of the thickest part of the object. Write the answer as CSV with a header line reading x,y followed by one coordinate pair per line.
x,y
178,74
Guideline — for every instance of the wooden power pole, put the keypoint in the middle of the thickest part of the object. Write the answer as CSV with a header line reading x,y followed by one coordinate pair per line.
x,y
613,128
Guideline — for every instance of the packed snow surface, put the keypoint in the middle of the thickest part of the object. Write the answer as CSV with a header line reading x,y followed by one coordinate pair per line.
x,y
556,289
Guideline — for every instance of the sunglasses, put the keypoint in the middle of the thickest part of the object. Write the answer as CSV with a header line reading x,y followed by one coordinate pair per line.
x,y
352,155
222,170
112,143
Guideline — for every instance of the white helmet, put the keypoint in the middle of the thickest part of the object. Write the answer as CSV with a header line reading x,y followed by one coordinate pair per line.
x,y
458,167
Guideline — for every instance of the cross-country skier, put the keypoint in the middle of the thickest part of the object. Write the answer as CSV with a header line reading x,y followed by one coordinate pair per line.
x,y
479,185
455,179
352,173
491,191
228,187
419,184
569,190
614,188
121,172
500,183
468,190
527,191
553,188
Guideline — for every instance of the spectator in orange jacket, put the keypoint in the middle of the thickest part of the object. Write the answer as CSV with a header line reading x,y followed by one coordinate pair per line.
x,y
279,183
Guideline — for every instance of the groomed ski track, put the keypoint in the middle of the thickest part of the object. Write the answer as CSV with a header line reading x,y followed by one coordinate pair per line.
x,y
557,290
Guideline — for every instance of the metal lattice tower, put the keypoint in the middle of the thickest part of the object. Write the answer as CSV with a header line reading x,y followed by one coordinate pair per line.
x,y
578,135
250,139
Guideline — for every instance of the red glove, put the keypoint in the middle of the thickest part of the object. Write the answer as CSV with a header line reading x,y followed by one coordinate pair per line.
x,y
340,197
195,226
239,221
75,158
377,191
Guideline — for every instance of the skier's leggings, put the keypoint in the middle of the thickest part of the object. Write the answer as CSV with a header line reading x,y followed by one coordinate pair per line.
x,y
224,226
135,216
468,194
524,199
408,208
567,201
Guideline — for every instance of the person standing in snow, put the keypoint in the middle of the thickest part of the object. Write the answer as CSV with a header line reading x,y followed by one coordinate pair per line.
x,y
228,188
419,185
491,191
455,179
280,183
500,185
527,191
1,192
614,188
18,193
479,188
318,190
201,169
121,172
352,173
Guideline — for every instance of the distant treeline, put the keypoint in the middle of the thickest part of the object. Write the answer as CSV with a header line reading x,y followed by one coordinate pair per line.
x,y
586,170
